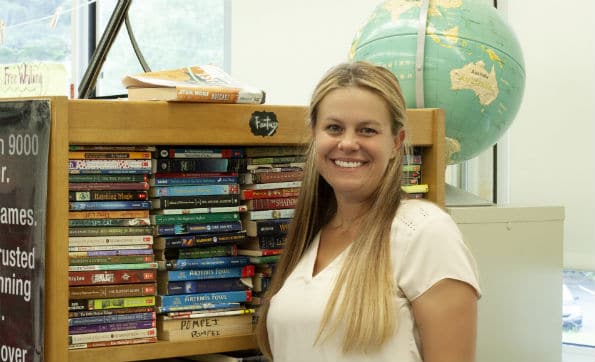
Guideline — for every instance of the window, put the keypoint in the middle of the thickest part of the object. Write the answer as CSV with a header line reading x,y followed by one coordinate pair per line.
x,y
578,308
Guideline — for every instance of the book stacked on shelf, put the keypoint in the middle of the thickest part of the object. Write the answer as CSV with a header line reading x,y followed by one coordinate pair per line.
x,y
269,190
203,284
411,183
112,271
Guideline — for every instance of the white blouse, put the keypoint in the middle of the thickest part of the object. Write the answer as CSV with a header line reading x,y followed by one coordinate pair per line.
x,y
426,247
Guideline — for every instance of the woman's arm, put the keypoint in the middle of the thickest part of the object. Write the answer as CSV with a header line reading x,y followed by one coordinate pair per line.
x,y
446,316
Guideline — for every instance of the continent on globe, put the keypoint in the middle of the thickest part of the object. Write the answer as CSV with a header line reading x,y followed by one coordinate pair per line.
x,y
472,64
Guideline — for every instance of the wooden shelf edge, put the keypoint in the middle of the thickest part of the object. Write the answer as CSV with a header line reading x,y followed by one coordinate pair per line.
x,y
163,349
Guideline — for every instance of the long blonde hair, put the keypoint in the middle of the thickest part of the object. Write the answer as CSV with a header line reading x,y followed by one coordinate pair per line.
x,y
365,287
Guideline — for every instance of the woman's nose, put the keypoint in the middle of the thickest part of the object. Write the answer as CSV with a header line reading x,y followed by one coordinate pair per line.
x,y
348,142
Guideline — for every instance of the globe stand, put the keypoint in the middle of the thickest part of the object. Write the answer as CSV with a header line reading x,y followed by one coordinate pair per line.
x,y
454,196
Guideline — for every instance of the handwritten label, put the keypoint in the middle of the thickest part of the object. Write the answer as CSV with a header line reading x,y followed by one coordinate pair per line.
x,y
263,123
33,79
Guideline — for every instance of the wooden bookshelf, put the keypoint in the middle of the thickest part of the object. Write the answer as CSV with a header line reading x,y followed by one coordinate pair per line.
x,y
153,123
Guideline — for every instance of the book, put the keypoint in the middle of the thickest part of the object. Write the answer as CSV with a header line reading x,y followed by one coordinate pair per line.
x,y
109,312
267,227
267,151
108,214
165,277
194,190
111,303
91,155
99,277
198,165
107,195
100,178
115,165
119,342
111,336
112,291
192,240
203,263
114,318
73,252
194,218
111,327
265,242
271,176
271,204
110,230
202,180
236,310
267,214
201,210
204,286
204,83
199,152
108,186
414,189
269,194
205,328
277,159
264,259
108,205
272,185
259,252
110,240
110,259
111,148
186,301
181,202
202,228
129,266
199,252
117,222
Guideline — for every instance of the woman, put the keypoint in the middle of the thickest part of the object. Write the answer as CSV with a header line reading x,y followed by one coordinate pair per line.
x,y
366,276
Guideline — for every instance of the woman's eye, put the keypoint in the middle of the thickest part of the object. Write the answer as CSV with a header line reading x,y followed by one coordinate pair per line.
x,y
333,128
368,131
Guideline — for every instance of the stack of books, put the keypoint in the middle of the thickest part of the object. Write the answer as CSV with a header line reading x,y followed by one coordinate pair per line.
x,y
412,182
269,190
203,283
112,272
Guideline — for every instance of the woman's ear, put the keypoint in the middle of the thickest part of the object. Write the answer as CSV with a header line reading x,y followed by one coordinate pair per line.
x,y
399,139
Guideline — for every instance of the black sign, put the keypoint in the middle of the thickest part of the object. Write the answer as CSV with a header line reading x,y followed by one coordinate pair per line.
x,y
24,148
263,123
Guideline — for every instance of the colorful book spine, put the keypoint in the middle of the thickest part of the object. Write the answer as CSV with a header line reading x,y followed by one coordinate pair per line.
x,y
107,249
269,151
202,263
194,190
212,273
185,202
135,266
112,303
134,178
268,241
108,214
271,177
414,189
112,291
207,180
147,251
200,252
111,259
260,252
108,186
109,205
267,227
204,286
117,165
189,241
269,194
114,318
198,165
120,155
187,300
110,240
275,160
273,185
111,336
119,342
111,327
138,221
269,214
179,229
195,152
101,277
110,230
110,312
207,306
201,210
271,204
194,218
107,195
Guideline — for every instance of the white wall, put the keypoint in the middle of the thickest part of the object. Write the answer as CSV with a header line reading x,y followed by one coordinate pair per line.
x,y
285,46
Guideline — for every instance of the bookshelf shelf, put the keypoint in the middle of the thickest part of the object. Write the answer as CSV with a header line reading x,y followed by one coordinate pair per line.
x,y
113,122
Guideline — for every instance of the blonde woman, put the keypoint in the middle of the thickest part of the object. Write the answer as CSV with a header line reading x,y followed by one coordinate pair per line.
x,y
365,275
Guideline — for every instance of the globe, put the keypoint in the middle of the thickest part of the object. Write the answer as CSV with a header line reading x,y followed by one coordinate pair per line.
x,y
472,66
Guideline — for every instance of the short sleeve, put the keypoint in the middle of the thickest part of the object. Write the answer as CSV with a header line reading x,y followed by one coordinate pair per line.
x,y
435,251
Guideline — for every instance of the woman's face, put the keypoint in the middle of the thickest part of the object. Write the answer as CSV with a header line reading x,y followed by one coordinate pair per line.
x,y
354,141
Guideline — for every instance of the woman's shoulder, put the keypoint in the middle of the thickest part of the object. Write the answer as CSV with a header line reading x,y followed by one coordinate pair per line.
x,y
414,213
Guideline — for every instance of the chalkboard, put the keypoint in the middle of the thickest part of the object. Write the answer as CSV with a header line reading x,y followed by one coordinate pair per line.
x,y
24,149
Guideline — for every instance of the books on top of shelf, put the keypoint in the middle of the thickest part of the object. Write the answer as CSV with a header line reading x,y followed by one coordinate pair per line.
x,y
205,83
198,152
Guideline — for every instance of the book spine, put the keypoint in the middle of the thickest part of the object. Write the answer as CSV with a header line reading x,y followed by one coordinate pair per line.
x,y
270,214
112,291
112,303
202,210
110,231
260,252
202,252
199,307
120,342
212,273
271,241
108,186
275,160
108,249
185,202
273,185
111,277
412,189
211,180
111,148
120,155
107,336
115,318
133,222
272,204
194,190
109,205
269,151
183,300
135,266
109,164
271,177
111,259
194,152
111,327
107,195
110,240
267,227
189,241
203,286
202,263
269,194
178,229
110,312
198,165
147,251
194,218
134,178
108,214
